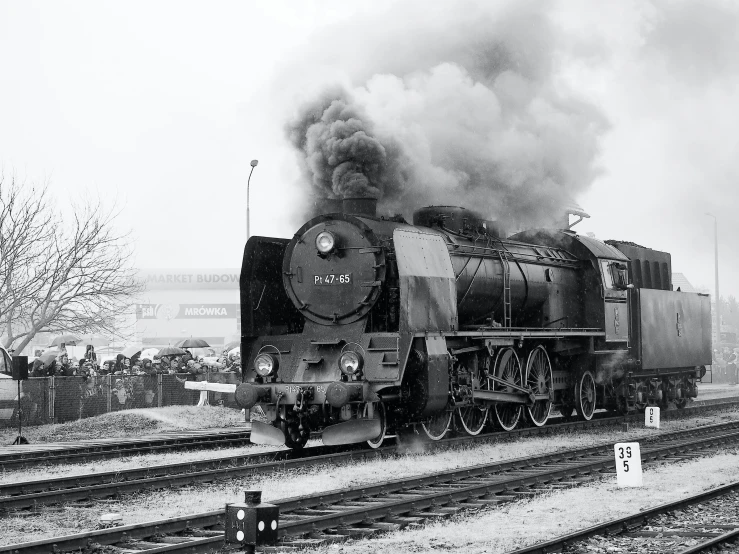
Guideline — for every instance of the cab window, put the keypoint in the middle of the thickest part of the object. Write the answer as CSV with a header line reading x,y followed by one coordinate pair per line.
x,y
607,277
615,276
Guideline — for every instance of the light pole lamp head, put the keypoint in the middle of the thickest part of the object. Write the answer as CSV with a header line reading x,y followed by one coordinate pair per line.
x,y
254,163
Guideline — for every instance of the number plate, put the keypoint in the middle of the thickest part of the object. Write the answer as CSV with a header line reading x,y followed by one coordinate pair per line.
x,y
333,279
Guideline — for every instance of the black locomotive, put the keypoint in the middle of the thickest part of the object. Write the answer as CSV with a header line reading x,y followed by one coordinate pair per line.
x,y
361,326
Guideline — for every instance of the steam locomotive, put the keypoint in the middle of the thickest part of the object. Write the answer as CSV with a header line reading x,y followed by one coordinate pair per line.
x,y
362,326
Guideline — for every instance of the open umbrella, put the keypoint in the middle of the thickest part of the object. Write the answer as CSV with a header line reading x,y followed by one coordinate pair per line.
x,y
149,353
131,351
192,343
66,339
171,351
48,357
231,345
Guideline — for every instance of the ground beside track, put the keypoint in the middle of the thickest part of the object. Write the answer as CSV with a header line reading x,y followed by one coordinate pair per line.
x,y
147,421
523,523
129,423
48,522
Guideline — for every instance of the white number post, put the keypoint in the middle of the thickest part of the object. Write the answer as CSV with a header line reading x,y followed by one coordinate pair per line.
x,y
628,464
651,417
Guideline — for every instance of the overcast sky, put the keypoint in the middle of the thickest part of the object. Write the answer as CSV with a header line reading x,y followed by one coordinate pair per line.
x,y
160,106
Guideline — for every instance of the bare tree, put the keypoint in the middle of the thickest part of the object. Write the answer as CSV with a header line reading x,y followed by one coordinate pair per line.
x,y
69,273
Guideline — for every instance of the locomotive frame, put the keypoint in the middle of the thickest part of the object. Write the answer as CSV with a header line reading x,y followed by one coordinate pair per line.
x,y
361,326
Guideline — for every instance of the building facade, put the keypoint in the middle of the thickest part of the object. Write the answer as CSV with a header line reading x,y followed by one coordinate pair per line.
x,y
182,303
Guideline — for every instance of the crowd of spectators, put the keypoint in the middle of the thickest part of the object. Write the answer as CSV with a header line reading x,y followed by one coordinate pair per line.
x,y
724,366
64,366
121,383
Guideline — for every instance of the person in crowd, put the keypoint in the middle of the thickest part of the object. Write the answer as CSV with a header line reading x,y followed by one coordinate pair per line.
x,y
119,365
37,369
190,367
68,394
106,368
119,395
65,369
721,365
236,366
93,401
714,366
86,369
90,355
731,361
51,368
174,365
732,372
186,357
137,391
161,365
150,382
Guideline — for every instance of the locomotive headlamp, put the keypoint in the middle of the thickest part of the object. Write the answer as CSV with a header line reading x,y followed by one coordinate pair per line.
x,y
265,365
350,362
325,242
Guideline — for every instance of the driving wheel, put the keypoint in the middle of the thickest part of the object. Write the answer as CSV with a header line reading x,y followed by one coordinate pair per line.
x,y
585,396
539,379
508,369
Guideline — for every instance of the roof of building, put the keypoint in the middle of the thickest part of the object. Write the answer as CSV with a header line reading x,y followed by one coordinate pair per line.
x,y
679,280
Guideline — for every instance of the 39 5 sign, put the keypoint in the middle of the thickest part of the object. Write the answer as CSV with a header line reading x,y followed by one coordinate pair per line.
x,y
628,464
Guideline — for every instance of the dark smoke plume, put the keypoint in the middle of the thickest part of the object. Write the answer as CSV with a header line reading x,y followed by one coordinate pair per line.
x,y
466,113
341,153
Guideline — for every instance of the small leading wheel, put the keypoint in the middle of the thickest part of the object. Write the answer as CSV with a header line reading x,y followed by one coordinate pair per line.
x,y
296,432
472,418
508,369
539,379
437,426
377,410
585,396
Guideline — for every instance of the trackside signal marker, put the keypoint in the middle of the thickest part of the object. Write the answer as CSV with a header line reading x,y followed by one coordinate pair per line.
x,y
628,464
651,417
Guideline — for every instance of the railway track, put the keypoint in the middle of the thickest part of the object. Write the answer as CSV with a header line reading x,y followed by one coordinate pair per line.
x,y
32,494
687,526
370,509
85,451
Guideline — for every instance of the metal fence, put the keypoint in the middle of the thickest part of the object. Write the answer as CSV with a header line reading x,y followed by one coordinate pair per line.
x,y
61,399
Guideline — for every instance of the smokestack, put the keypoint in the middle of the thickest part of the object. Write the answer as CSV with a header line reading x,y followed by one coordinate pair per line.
x,y
360,206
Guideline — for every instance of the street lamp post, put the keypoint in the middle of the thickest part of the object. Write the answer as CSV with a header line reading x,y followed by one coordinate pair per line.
x,y
718,296
248,184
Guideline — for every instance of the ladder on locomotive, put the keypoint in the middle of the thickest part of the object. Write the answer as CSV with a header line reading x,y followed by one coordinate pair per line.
x,y
506,286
